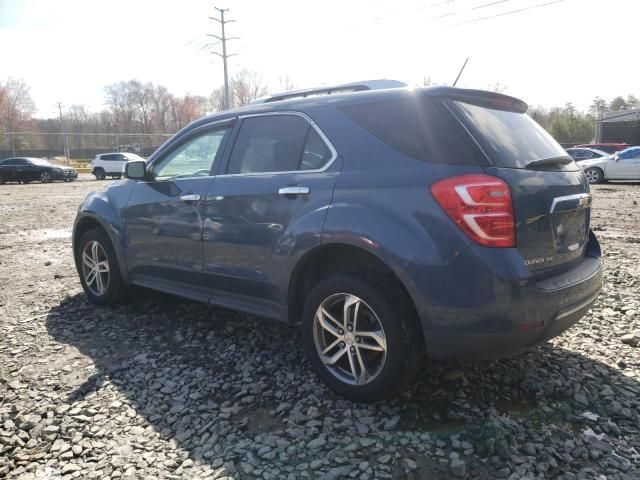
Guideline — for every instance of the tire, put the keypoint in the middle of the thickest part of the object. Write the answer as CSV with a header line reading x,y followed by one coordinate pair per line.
x,y
594,175
45,177
379,303
116,177
109,288
99,173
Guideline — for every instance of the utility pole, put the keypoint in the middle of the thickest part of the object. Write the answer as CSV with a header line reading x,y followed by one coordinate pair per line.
x,y
224,39
66,139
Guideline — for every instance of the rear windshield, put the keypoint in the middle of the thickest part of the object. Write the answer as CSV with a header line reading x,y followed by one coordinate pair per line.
x,y
515,139
415,126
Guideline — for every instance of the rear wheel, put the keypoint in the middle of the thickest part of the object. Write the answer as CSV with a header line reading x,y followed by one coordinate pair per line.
x,y
99,174
98,268
116,177
594,175
361,337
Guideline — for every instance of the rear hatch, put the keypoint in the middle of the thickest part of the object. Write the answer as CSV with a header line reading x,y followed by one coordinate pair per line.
x,y
550,194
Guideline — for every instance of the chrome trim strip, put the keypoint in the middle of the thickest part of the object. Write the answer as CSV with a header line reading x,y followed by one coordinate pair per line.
x,y
334,153
578,196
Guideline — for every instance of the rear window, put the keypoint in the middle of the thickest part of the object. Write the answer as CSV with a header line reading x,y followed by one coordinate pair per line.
x,y
415,126
514,139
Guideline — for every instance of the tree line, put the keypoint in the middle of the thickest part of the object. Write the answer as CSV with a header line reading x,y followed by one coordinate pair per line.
x,y
135,107
131,107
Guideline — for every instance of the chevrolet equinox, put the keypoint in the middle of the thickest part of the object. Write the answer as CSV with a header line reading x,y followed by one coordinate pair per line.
x,y
389,223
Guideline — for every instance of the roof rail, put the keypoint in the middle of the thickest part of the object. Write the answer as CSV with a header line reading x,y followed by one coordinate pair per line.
x,y
344,88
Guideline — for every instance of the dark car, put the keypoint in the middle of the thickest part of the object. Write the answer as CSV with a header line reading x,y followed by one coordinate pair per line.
x,y
606,147
388,223
27,169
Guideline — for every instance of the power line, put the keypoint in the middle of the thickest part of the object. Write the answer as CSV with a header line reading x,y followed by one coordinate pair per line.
x,y
223,39
504,14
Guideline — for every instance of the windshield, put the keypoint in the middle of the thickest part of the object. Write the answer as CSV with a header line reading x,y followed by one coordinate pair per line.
x,y
514,139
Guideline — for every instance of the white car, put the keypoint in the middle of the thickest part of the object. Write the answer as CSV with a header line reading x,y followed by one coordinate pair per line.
x,y
624,165
110,164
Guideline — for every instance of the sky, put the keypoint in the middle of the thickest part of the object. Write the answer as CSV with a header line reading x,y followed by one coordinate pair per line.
x,y
547,52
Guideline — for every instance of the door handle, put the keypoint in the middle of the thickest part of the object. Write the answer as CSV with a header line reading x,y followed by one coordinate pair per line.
x,y
294,191
193,197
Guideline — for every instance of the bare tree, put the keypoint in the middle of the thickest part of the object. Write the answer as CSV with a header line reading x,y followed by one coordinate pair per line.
x,y
16,106
246,86
286,83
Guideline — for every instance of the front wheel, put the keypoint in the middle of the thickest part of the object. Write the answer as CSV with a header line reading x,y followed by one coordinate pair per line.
x,y
361,336
45,177
98,268
594,175
99,174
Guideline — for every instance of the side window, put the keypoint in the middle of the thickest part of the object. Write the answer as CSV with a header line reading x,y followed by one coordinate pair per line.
x,y
277,143
315,153
107,158
194,158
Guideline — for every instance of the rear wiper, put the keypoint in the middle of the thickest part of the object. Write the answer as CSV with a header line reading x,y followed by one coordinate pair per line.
x,y
545,162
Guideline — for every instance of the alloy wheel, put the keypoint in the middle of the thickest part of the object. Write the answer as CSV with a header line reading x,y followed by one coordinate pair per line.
x,y
349,339
45,177
592,176
95,268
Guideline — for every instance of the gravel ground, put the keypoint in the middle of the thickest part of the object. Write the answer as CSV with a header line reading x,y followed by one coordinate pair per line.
x,y
166,388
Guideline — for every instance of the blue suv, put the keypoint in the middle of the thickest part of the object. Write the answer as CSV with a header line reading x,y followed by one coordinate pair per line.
x,y
388,223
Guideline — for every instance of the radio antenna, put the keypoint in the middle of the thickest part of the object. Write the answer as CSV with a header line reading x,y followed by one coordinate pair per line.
x,y
460,72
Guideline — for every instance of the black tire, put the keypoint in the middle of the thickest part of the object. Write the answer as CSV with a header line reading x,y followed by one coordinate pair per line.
x,y
404,344
115,291
116,177
99,174
594,175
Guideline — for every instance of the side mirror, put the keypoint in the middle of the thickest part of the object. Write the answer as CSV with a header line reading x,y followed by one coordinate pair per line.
x,y
135,170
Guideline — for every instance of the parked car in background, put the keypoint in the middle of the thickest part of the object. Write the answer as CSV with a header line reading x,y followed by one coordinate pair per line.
x,y
606,147
580,154
110,164
624,165
387,223
28,169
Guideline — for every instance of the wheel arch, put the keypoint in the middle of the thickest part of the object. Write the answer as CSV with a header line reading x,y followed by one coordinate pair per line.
x,y
338,258
87,222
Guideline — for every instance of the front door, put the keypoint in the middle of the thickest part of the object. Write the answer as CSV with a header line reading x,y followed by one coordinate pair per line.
x,y
163,218
270,203
627,166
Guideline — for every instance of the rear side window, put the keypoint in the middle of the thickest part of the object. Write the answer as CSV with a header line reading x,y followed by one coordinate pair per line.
x,y
514,139
415,126
277,143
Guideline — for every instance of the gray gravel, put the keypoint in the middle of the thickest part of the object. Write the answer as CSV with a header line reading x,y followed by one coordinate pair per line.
x,y
166,388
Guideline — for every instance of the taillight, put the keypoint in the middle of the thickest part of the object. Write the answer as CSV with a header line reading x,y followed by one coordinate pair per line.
x,y
481,206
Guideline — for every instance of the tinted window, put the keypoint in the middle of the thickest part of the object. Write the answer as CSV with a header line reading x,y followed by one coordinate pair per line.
x,y
315,153
110,157
193,158
16,161
277,143
415,126
515,139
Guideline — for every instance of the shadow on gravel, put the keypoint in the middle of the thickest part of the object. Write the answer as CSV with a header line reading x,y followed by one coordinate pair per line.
x,y
219,382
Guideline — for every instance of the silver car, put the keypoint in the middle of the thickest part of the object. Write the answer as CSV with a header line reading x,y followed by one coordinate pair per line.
x,y
623,165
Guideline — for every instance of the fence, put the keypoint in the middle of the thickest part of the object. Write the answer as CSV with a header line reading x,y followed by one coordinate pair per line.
x,y
77,146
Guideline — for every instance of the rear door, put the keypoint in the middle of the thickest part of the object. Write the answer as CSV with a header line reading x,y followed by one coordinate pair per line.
x,y
550,194
270,203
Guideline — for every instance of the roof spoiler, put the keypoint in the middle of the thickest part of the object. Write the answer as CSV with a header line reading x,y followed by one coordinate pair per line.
x,y
482,98
344,88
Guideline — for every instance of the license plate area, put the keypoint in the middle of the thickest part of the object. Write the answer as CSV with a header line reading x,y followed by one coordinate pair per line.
x,y
570,229
570,222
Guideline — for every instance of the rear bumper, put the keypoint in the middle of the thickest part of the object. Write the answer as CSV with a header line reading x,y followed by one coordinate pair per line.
x,y
496,315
